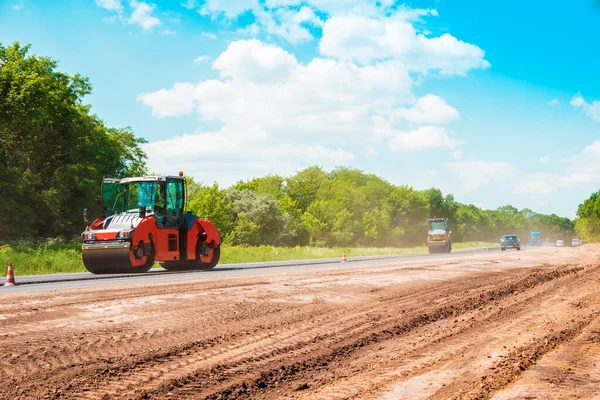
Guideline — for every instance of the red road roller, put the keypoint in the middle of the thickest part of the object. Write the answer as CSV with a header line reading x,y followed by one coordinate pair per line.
x,y
146,223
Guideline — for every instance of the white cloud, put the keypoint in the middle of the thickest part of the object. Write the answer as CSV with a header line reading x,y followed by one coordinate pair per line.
x,y
18,6
168,32
254,61
110,5
175,102
208,35
289,114
544,160
201,59
423,138
249,31
577,101
252,154
357,30
172,16
365,39
474,174
142,15
270,106
553,102
581,170
591,109
287,23
265,85
229,8
429,109
189,4
335,7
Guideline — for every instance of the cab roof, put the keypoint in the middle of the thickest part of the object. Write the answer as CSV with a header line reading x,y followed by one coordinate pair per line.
x,y
149,179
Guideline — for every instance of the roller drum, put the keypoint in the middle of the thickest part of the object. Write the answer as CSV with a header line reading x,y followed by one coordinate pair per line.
x,y
109,259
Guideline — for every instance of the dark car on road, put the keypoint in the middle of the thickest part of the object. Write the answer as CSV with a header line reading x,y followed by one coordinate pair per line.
x,y
510,242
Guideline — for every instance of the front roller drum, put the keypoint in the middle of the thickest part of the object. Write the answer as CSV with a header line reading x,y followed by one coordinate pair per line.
x,y
99,260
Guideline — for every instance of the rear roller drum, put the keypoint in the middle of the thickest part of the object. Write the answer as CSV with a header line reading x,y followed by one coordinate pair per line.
x,y
191,265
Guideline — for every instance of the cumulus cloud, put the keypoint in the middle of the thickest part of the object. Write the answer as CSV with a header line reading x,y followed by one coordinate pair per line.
x,y
201,59
553,102
366,39
19,6
252,155
256,62
358,30
289,114
142,15
331,7
265,85
581,170
289,23
423,138
270,106
429,109
229,8
591,109
189,4
110,5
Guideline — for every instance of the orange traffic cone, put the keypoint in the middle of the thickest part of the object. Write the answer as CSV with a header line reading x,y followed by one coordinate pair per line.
x,y
10,277
344,259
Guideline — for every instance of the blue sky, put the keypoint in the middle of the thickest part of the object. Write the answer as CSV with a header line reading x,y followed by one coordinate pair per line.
x,y
495,102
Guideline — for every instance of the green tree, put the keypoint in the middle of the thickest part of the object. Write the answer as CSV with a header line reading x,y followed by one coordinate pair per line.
x,y
305,185
260,209
211,202
53,150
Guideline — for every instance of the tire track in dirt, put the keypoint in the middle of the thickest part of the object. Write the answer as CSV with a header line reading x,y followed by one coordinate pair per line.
x,y
519,360
248,326
282,372
570,370
140,364
299,338
432,348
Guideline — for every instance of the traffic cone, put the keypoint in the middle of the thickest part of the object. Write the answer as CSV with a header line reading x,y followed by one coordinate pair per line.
x,y
10,277
344,259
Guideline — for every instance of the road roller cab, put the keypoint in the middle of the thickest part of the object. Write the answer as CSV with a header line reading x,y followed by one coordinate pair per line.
x,y
144,223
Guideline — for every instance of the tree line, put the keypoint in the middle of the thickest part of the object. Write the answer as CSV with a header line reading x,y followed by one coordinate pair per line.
x,y
347,207
54,152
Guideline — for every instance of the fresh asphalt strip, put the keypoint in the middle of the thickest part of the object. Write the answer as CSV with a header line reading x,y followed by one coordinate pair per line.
x,y
84,276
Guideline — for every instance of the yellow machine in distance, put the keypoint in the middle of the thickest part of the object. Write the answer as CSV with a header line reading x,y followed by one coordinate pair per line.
x,y
438,235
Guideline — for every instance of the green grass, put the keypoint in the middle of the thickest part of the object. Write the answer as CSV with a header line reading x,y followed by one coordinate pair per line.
x,y
59,255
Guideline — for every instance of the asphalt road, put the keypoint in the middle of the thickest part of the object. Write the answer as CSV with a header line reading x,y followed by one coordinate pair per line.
x,y
37,283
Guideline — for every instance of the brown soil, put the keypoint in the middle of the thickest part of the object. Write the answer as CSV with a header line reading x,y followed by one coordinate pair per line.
x,y
499,325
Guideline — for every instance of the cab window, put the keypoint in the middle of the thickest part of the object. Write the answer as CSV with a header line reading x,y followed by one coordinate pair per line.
x,y
174,194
